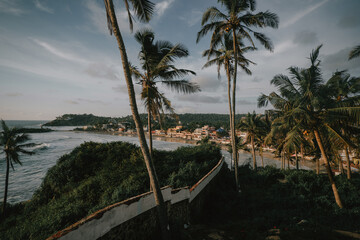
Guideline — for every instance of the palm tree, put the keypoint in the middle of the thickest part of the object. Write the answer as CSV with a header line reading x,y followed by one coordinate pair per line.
x,y
255,128
311,106
345,88
355,52
157,62
238,21
143,10
224,57
13,144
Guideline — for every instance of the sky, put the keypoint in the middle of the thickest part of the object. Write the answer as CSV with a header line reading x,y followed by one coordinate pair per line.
x,y
57,57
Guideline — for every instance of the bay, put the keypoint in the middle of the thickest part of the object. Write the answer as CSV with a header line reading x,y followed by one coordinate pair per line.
x,y
26,178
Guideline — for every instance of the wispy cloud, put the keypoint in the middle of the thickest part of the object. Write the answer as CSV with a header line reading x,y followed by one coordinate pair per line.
x,y
42,7
161,7
192,18
302,14
97,17
59,52
14,94
100,70
11,7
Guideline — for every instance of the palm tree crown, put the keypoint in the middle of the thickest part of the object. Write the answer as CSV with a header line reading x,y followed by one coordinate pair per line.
x,y
157,62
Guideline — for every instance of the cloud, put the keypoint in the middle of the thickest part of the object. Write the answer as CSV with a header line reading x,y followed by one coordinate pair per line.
x,y
42,7
280,48
124,89
91,101
208,83
305,37
59,52
13,94
197,98
11,7
339,61
97,17
161,7
192,18
349,21
245,102
257,79
100,70
302,14
71,102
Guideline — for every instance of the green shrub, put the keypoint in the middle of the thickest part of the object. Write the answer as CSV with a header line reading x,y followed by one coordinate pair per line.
x,y
95,175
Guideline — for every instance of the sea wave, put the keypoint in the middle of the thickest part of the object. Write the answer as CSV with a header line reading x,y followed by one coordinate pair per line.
x,y
41,146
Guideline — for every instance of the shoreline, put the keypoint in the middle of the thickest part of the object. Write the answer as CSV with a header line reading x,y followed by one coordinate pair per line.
x,y
306,163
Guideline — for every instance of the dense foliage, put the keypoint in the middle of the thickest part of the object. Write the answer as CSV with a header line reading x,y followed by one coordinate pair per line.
x,y
95,175
77,120
34,130
297,204
188,120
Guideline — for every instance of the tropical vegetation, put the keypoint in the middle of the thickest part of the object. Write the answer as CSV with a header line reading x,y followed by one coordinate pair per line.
x,y
143,9
275,203
157,62
13,144
315,109
239,21
95,175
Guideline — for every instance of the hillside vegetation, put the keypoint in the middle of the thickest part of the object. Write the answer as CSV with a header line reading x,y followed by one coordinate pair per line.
x,y
95,175
188,120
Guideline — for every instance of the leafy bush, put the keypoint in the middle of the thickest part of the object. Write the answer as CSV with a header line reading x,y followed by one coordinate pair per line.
x,y
95,175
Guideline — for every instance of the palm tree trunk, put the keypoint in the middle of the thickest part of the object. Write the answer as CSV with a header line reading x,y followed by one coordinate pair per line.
x,y
233,132
317,166
161,208
149,130
6,183
262,156
348,163
328,169
231,128
297,160
253,153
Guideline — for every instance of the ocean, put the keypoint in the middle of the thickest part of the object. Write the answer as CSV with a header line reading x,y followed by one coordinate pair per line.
x,y
26,178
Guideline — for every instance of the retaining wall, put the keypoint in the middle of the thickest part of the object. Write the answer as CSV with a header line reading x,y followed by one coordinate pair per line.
x,y
136,217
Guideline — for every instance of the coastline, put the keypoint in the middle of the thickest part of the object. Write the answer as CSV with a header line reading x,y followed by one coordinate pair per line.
x,y
306,163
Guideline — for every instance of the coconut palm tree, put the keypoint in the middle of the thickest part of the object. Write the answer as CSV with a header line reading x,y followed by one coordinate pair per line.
x,y
313,108
223,57
13,144
355,52
238,19
143,9
157,62
345,89
255,128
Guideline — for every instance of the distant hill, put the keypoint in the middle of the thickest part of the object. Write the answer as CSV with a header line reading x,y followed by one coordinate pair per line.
x,y
188,120
77,120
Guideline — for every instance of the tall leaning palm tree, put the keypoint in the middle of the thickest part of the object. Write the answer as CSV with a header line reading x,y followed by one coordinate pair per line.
x,y
313,108
157,62
13,144
238,20
143,10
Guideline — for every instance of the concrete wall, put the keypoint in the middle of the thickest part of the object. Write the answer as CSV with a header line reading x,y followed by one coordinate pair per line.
x,y
136,218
